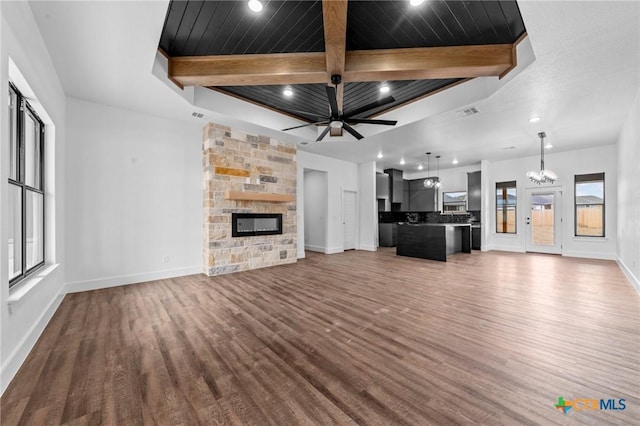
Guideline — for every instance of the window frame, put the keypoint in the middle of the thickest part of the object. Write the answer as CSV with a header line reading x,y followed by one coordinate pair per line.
x,y
504,186
23,108
585,178
466,201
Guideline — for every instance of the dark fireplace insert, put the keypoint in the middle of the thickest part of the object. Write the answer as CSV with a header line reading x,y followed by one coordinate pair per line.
x,y
251,224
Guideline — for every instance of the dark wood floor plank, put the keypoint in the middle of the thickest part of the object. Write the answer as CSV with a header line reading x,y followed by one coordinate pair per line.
x,y
355,338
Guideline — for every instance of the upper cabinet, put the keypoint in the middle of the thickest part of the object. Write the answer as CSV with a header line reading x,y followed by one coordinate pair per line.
x,y
396,190
474,191
382,185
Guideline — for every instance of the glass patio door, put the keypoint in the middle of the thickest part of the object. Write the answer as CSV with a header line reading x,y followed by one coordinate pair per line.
x,y
544,220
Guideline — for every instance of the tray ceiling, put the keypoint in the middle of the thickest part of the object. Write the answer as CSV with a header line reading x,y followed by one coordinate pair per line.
x,y
216,29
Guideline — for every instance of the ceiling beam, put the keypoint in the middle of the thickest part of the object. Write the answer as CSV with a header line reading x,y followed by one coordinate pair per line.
x,y
249,70
422,63
334,15
417,63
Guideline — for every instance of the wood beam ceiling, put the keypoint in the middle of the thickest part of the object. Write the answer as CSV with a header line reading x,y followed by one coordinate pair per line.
x,y
334,14
249,70
420,63
364,65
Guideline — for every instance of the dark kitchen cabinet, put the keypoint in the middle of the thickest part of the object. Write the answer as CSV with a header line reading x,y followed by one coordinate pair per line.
x,y
382,185
474,191
388,234
424,200
475,237
396,190
405,197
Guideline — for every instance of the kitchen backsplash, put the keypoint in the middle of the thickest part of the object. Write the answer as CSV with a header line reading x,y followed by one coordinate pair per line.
x,y
428,217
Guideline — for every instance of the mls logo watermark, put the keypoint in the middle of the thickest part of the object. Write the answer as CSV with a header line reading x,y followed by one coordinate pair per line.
x,y
590,404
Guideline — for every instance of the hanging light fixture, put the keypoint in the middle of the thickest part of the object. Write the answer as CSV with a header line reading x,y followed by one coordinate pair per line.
x,y
428,182
543,175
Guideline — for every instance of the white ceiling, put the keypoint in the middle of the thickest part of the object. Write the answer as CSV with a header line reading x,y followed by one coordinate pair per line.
x,y
585,75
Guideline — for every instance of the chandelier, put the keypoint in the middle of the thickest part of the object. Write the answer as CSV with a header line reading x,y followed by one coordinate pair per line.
x,y
431,182
543,175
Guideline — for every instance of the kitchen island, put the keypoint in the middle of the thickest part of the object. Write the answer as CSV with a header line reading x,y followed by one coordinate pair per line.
x,y
433,240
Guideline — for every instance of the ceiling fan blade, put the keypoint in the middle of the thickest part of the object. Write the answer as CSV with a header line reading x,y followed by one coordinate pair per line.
x,y
369,107
323,134
333,101
303,114
305,125
352,131
369,121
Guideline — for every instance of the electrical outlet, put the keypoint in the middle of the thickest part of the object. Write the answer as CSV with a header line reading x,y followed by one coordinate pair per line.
x,y
165,259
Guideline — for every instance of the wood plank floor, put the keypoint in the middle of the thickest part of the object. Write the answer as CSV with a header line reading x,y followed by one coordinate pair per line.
x,y
354,338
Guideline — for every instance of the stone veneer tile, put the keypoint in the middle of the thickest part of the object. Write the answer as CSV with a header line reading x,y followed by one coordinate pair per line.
x,y
235,161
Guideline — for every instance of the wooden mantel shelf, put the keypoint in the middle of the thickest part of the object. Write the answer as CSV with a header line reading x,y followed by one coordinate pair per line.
x,y
258,196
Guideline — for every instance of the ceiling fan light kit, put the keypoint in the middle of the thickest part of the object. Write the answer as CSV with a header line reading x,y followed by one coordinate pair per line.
x,y
338,120
542,176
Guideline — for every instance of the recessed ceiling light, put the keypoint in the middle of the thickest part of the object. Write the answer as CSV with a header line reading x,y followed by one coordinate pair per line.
x,y
548,145
416,2
402,161
455,161
255,5
420,167
384,89
379,155
534,119
287,92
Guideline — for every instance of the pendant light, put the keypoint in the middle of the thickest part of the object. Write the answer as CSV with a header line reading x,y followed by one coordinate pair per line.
x,y
428,182
543,175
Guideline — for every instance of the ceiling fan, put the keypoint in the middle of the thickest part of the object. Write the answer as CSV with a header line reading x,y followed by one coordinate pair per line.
x,y
337,120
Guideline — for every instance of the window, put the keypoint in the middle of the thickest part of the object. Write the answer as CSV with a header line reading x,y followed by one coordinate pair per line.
x,y
589,201
26,188
506,201
454,201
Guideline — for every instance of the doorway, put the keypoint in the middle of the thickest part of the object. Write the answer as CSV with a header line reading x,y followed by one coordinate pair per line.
x,y
544,220
315,210
349,219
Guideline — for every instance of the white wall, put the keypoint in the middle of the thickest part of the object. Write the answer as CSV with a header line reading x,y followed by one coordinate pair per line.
x,y
315,210
628,250
27,308
368,209
342,175
134,185
566,165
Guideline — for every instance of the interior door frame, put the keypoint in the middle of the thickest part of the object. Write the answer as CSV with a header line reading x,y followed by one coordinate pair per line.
x,y
557,220
356,221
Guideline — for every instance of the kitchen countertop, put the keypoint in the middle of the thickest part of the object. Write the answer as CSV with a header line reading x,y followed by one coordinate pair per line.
x,y
434,224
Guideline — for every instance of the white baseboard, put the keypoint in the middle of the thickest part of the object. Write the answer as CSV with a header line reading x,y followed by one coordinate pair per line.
x,y
513,249
635,281
589,254
367,248
16,358
311,247
76,286
334,250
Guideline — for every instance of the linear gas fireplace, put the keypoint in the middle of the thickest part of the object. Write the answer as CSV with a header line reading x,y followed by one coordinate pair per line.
x,y
250,224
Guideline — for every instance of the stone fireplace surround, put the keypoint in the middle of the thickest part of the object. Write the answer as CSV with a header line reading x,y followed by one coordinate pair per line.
x,y
236,161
